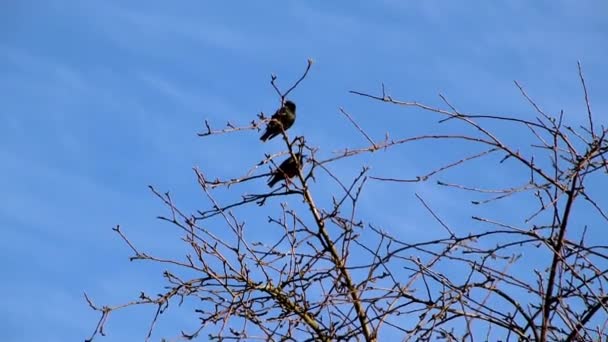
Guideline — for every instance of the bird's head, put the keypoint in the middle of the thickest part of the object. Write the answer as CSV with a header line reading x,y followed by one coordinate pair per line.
x,y
290,105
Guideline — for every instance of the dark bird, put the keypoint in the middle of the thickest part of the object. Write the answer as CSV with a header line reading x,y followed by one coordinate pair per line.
x,y
284,117
288,169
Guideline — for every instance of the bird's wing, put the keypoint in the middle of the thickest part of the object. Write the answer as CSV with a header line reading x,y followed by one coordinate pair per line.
x,y
285,164
279,113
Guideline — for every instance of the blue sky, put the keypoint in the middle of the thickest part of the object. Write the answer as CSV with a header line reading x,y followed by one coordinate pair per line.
x,y
102,98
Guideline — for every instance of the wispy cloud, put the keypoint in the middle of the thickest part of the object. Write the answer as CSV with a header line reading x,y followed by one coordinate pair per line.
x,y
137,28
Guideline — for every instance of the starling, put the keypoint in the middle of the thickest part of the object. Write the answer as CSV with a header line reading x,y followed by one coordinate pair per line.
x,y
283,117
287,169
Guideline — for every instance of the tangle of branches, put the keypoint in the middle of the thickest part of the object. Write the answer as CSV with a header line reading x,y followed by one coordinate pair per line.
x,y
328,274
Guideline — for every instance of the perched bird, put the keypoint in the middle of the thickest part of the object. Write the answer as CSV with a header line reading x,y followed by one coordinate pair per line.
x,y
288,169
284,117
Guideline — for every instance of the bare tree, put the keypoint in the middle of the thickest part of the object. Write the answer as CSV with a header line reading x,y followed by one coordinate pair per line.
x,y
532,274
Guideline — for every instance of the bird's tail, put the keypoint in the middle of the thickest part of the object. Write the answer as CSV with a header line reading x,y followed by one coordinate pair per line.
x,y
273,181
265,136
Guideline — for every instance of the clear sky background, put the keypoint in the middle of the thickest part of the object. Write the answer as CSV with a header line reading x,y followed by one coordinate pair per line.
x,y
99,99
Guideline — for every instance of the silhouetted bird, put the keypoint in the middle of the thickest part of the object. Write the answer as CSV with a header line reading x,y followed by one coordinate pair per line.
x,y
284,116
288,169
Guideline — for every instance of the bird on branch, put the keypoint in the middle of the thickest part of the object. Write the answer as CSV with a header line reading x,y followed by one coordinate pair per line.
x,y
282,119
287,170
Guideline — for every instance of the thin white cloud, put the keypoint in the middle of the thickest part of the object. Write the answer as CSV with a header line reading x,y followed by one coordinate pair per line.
x,y
144,27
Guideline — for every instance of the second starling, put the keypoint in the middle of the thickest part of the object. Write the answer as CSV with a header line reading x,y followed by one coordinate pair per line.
x,y
288,169
283,118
